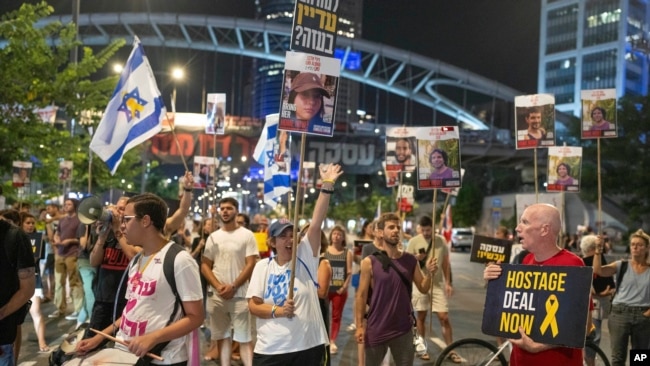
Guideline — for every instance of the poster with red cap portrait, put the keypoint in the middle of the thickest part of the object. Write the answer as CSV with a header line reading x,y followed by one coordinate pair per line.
x,y
309,90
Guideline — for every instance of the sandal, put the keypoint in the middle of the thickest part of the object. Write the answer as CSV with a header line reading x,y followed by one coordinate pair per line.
x,y
425,357
455,358
211,355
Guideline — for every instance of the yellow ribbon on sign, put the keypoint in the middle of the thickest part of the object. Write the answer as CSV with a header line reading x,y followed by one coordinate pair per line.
x,y
552,305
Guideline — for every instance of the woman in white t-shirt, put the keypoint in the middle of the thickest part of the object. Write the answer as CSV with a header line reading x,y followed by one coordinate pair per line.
x,y
291,331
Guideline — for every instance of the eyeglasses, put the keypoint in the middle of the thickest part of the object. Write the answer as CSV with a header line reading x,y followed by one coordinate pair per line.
x,y
127,218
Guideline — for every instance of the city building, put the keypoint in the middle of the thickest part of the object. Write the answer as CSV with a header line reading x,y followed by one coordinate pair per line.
x,y
593,45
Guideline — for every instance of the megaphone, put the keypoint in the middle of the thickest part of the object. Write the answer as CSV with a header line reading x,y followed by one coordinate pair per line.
x,y
90,210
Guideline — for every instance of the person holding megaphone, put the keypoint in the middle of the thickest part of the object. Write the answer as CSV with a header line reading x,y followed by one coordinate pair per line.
x,y
111,252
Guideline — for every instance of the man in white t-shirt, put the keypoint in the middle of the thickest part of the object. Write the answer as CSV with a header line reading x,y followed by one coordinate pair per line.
x,y
145,320
227,263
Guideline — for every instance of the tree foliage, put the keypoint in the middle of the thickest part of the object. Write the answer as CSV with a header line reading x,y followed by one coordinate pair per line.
x,y
625,161
37,72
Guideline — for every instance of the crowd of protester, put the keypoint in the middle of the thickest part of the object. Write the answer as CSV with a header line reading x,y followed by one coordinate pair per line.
x,y
243,267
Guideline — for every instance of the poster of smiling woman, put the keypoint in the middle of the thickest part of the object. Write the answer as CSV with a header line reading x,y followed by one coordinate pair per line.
x,y
598,113
564,168
438,157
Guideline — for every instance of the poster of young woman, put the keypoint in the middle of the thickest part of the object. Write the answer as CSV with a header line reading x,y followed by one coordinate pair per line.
x,y
535,121
400,149
309,93
438,150
598,113
564,167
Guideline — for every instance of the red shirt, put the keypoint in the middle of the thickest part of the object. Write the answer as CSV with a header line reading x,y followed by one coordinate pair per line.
x,y
559,355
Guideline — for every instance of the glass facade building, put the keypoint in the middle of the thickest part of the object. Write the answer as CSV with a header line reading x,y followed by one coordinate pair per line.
x,y
593,44
267,75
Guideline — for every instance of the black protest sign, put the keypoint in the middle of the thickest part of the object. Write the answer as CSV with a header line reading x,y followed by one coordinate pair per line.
x,y
486,249
37,245
314,27
549,302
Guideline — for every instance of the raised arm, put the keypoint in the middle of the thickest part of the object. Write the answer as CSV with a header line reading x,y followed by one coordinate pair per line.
x,y
174,222
329,174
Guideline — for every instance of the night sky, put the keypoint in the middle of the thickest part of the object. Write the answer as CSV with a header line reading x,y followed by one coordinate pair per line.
x,y
496,39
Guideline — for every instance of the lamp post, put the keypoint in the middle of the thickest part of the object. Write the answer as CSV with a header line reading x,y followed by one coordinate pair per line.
x,y
177,75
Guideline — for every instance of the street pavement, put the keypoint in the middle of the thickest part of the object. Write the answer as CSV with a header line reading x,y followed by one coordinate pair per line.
x,y
466,309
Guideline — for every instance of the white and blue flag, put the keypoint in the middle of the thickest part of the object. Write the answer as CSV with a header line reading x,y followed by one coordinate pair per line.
x,y
272,151
134,113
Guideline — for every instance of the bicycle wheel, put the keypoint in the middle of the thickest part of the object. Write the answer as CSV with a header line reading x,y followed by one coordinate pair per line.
x,y
599,357
471,351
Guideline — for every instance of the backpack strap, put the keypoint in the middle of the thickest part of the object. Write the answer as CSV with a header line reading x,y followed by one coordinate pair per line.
x,y
168,270
386,262
620,273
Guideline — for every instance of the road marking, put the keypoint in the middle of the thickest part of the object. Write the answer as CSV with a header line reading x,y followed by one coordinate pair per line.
x,y
28,363
438,342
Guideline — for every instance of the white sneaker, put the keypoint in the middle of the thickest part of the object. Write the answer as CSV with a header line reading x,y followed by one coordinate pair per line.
x,y
420,346
72,316
351,328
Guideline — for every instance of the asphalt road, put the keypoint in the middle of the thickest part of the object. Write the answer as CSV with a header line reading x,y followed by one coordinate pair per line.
x,y
466,309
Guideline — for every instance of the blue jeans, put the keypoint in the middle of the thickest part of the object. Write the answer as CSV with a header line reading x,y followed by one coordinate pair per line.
x,y
7,355
88,274
627,322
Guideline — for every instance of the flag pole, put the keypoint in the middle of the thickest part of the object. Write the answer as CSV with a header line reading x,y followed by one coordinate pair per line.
x,y
294,251
535,176
433,250
173,128
599,217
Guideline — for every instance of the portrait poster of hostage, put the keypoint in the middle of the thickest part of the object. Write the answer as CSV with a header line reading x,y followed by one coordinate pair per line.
x,y
308,102
550,303
400,149
564,166
438,151
535,121
598,113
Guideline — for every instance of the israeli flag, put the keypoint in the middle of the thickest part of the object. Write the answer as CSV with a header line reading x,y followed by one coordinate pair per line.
x,y
273,153
134,113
